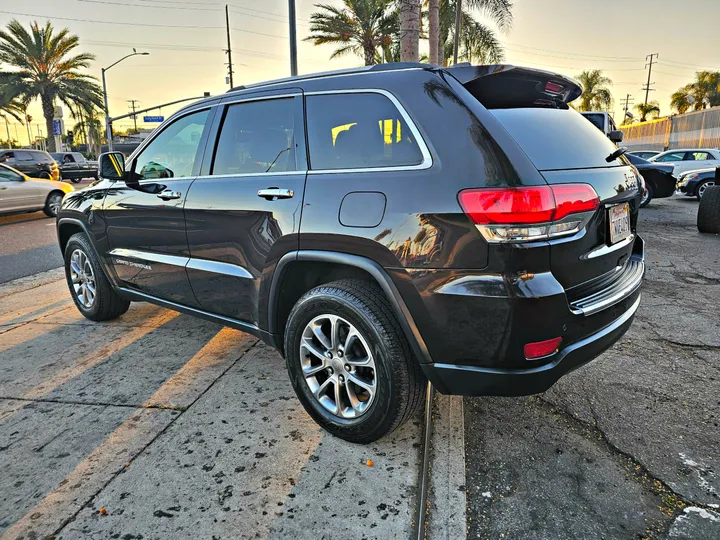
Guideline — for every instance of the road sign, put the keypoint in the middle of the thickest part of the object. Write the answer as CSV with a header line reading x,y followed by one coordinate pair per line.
x,y
153,118
57,127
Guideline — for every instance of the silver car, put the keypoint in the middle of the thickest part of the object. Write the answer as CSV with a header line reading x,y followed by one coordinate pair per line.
x,y
20,193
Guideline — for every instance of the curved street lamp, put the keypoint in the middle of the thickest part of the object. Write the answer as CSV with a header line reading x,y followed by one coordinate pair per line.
x,y
108,127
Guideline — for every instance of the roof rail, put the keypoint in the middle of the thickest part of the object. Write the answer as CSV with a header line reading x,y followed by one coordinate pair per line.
x,y
350,71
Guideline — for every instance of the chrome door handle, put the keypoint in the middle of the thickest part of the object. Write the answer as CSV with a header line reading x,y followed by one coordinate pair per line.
x,y
275,193
169,194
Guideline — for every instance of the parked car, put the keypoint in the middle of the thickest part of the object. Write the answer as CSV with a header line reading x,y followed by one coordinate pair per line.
x,y
694,183
34,163
659,179
377,226
645,154
20,193
74,166
687,159
604,122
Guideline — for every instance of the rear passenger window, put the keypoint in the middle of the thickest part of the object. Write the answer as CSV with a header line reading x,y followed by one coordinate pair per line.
x,y
358,131
257,137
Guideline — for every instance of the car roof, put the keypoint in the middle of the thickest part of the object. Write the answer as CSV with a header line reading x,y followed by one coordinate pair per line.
x,y
688,150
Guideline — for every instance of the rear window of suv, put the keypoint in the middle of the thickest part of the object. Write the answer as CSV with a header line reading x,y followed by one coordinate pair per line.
x,y
358,131
557,138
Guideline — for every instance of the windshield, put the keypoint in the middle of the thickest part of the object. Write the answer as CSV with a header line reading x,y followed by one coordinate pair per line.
x,y
558,139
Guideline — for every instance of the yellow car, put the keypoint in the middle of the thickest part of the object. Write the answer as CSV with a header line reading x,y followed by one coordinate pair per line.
x,y
20,193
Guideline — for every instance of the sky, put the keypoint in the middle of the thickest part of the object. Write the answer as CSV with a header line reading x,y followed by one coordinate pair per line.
x,y
186,39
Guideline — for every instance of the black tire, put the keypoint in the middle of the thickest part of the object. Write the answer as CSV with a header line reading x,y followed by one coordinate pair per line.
x,y
44,174
708,218
699,191
399,383
52,203
648,197
107,303
76,180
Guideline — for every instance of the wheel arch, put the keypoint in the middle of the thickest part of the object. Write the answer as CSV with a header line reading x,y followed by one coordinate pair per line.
x,y
299,271
66,227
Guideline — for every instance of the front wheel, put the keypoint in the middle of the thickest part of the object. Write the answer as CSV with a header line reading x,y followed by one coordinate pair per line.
x,y
90,289
76,180
350,363
702,188
45,175
53,203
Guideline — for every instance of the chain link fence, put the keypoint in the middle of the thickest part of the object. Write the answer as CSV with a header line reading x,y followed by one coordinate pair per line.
x,y
698,129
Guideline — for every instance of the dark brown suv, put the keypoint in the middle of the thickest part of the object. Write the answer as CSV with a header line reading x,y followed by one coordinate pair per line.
x,y
378,226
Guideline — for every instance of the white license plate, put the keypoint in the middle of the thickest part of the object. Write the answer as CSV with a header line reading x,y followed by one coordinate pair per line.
x,y
619,217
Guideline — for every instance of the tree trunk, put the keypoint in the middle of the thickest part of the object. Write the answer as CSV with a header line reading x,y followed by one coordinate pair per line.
x,y
409,30
369,55
442,39
49,112
434,31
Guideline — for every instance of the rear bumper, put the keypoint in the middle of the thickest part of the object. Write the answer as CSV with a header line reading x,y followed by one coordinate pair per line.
x,y
479,381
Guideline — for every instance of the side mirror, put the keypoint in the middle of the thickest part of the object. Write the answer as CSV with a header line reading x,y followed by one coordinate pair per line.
x,y
111,166
616,136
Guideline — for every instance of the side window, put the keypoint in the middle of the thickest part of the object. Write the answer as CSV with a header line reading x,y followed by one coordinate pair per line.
x,y
698,156
173,152
256,137
612,124
674,156
26,156
6,175
357,131
7,157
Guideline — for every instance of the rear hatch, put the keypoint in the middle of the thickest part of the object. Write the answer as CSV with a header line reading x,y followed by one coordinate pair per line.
x,y
566,149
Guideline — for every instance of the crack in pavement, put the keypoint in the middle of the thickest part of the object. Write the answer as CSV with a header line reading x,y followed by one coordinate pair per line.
x,y
93,496
673,500
94,403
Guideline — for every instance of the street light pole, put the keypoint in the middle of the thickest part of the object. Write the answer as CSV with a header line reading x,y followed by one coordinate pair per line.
x,y
108,125
293,38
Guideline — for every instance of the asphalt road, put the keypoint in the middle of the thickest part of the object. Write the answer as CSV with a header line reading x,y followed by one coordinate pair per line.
x,y
28,244
627,446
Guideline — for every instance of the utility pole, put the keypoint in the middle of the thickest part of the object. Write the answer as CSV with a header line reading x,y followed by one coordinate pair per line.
x,y
28,119
458,23
7,127
132,103
229,48
649,66
628,97
293,38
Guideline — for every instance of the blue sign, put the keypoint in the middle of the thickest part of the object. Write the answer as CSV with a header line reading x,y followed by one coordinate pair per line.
x,y
57,127
153,118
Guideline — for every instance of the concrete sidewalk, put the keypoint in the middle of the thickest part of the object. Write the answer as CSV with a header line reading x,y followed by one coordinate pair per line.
x,y
177,428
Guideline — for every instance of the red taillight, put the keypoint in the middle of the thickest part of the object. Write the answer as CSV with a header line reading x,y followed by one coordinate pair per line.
x,y
513,205
541,348
528,213
553,88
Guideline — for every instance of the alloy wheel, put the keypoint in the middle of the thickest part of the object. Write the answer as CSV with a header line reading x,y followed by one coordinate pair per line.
x,y
703,187
82,278
54,203
338,366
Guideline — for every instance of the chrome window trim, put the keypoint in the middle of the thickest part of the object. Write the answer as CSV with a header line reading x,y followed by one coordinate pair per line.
x,y
427,161
204,265
260,98
258,175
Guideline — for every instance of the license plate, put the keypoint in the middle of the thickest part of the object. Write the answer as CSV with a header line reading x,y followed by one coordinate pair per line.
x,y
619,217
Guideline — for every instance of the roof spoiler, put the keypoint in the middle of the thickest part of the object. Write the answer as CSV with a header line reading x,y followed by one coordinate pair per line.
x,y
505,86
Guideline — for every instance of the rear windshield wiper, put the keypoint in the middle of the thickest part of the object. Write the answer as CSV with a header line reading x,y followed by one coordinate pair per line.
x,y
616,154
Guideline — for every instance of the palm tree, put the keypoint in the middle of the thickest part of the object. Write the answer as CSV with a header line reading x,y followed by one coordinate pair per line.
x,y
360,27
434,30
596,94
409,29
478,44
498,11
703,92
89,128
651,108
682,100
45,69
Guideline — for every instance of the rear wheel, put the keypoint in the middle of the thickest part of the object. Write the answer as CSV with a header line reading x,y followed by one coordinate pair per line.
x,y
91,291
52,204
44,174
350,363
647,196
703,187
76,180
708,218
